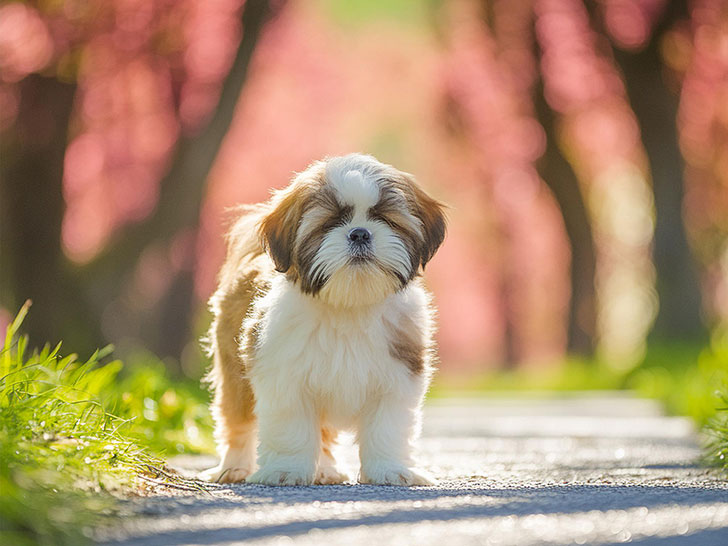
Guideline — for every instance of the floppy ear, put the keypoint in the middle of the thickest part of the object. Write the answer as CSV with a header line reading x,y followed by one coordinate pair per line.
x,y
278,227
429,211
432,215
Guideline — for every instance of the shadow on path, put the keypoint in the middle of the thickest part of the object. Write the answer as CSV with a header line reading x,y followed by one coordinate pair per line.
x,y
442,504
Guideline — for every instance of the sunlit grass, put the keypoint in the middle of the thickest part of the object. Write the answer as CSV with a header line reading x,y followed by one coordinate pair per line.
x,y
168,416
717,430
75,434
694,382
571,375
686,378
714,363
357,12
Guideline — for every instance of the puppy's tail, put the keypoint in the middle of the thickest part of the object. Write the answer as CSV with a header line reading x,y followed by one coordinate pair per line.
x,y
244,274
242,230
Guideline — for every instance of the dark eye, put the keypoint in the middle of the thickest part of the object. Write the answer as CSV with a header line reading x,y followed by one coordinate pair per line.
x,y
343,215
379,212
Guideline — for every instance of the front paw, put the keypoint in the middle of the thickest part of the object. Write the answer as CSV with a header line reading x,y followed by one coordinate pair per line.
x,y
393,474
223,474
276,476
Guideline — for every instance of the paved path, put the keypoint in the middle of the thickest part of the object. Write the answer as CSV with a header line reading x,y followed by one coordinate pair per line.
x,y
602,469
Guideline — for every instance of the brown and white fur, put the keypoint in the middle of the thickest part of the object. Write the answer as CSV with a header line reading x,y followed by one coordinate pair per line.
x,y
319,328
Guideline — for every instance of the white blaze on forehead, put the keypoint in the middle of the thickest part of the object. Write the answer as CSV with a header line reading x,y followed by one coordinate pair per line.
x,y
356,189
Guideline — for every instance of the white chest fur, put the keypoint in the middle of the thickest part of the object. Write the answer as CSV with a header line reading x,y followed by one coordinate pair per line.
x,y
335,362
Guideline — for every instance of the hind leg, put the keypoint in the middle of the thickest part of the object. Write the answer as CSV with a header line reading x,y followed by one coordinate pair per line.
x,y
326,472
236,462
232,410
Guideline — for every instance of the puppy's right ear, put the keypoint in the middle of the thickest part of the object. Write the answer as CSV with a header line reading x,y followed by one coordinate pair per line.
x,y
279,225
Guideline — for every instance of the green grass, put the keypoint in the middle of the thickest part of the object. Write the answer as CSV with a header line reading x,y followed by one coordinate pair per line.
x,y
76,434
686,378
572,375
168,416
352,13
713,365
717,430
694,382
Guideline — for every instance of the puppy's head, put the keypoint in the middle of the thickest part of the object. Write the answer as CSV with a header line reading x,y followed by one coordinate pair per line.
x,y
351,230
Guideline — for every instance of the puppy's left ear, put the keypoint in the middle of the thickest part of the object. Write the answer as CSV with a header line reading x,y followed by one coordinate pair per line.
x,y
432,215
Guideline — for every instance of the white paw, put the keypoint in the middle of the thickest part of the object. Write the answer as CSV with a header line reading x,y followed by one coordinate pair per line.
x,y
328,475
236,464
394,474
222,474
275,476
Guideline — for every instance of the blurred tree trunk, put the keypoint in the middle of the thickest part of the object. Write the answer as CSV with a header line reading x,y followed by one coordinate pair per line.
x,y
69,300
168,326
561,179
506,288
183,187
457,123
655,106
558,175
33,265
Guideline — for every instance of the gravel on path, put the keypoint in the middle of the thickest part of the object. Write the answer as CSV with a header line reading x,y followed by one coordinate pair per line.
x,y
603,468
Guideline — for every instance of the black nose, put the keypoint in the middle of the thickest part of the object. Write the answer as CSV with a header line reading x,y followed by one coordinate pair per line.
x,y
360,235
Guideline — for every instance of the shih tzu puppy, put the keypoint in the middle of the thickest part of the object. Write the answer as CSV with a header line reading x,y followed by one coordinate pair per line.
x,y
321,323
